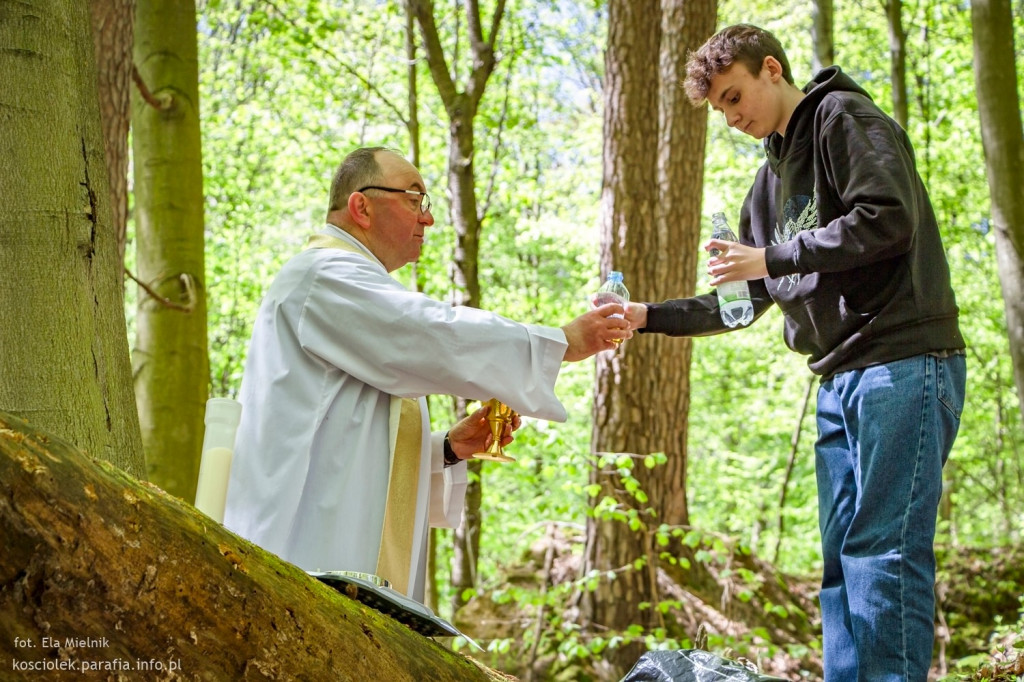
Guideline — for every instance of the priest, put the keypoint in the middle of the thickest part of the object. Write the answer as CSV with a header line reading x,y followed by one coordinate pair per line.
x,y
335,467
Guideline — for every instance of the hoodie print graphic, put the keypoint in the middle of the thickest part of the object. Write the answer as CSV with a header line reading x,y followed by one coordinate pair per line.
x,y
800,213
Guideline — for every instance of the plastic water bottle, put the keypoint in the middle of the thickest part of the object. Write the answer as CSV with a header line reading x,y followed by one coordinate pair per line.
x,y
612,291
733,297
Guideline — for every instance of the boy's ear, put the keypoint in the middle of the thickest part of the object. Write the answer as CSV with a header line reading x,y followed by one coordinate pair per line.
x,y
773,66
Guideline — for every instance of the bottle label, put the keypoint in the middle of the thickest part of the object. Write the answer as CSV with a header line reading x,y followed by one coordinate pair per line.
x,y
733,291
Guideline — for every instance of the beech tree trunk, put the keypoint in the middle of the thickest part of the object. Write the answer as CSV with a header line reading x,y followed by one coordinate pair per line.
x,y
63,345
101,572
1003,138
172,374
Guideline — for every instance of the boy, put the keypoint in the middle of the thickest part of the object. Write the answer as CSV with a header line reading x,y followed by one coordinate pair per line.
x,y
838,230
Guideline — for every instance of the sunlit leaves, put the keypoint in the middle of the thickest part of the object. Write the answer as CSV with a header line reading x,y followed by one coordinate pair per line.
x,y
289,88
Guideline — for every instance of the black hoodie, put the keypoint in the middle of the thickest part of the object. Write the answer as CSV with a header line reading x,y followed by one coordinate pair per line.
x,y
852,247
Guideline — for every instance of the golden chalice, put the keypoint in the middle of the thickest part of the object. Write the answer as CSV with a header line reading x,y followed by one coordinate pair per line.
x,y
498,417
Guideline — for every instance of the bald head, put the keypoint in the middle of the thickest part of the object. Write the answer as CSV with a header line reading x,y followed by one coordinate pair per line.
x,y
380,199
359,169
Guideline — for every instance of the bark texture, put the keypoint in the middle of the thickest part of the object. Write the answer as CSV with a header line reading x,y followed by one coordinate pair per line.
x,y
651,217
63,346
112,37
628,213
99,569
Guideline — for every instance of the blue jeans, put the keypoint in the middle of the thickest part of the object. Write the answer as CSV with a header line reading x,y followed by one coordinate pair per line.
x,y
884,433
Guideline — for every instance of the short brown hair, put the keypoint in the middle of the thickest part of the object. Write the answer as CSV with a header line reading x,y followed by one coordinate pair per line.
x,y
359,169
742,43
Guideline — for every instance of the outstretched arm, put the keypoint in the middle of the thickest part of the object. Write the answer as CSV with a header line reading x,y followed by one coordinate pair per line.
x,y
594,331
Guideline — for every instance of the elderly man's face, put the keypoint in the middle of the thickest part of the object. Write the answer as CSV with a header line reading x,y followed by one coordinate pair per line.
x,y
398,224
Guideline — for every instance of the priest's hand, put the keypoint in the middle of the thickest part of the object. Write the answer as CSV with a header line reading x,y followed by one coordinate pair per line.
x,y
594,331
473,434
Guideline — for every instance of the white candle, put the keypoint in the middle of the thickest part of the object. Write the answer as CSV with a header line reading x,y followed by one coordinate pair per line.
x,y
212,488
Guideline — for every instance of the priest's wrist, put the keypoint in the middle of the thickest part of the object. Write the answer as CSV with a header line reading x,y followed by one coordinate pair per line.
x,y
450,458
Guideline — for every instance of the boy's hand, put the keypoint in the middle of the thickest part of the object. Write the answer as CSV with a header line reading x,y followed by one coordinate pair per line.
x,y
636,315
735,262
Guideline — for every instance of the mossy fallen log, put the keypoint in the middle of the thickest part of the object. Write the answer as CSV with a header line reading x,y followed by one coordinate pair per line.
x,y
99,572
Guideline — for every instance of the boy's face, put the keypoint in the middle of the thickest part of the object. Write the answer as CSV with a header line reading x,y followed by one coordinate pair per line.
x,y
753,104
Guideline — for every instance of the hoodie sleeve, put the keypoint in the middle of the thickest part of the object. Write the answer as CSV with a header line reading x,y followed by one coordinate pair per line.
x,y
867,164
700,315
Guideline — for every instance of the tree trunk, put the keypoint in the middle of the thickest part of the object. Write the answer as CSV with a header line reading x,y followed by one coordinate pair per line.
x,y
412,125
466,277
822,35
461,108
1003,139
112,36
63,346
654,169
171,362
629,194
101,570
897,60
413,122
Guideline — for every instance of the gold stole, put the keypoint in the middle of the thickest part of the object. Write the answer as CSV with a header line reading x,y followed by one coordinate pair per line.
x,y
394,560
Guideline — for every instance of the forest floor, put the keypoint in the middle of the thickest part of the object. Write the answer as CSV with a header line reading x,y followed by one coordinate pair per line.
x,y
529,623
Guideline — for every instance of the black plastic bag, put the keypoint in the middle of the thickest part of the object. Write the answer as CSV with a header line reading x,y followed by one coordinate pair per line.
x,y
691,665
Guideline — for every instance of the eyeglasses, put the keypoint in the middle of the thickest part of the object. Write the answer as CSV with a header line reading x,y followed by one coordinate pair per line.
x,y
424,199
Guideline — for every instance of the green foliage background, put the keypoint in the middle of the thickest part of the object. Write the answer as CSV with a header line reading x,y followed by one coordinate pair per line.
x,y
287,89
